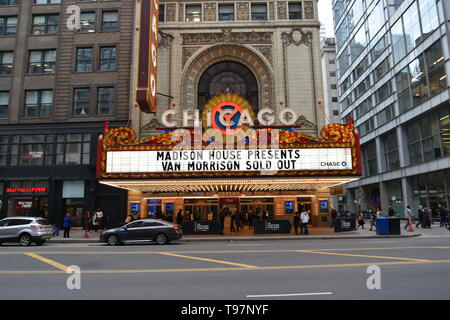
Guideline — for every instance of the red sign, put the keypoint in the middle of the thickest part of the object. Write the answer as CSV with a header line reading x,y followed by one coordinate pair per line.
x,y
148,56
25,190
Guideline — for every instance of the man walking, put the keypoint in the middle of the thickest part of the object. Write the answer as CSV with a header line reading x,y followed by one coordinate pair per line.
x,y
420,216
443,215
391,211
409,216
305,219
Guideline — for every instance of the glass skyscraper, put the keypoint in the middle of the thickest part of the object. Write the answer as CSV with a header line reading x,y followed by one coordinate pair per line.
x,y
393,62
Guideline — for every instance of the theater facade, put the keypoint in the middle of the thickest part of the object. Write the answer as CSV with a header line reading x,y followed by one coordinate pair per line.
x,y
238,123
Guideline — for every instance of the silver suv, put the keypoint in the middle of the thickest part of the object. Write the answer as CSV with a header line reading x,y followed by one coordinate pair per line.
x,y
25,230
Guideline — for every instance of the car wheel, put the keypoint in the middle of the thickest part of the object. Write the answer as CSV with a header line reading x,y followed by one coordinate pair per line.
x,y
40,242
25,240
113,240
161,239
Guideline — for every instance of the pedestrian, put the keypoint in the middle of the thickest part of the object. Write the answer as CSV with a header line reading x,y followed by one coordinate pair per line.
x,y
420,217
380,213
360,218
95,222
99,218
180,216
233,221
304,217
373,216
443,215
86,215
222,221
296,221
129,218
250,219
67,224
427,215
239,221
56,230
333,216
186,216
409,216
391,211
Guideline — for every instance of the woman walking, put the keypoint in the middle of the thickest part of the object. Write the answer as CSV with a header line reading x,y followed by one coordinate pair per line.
x,y
360,218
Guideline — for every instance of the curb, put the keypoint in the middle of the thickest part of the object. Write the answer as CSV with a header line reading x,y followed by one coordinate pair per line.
x,y
233,239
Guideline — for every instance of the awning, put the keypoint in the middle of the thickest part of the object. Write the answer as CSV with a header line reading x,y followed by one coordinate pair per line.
x,y
228,185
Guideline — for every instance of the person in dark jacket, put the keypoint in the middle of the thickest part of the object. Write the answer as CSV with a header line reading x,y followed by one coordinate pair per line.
x,y
421,218
180,217
222,221
233,221
67,224
296,221
443,215
391,211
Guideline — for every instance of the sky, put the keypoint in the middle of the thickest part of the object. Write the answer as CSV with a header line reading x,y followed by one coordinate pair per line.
x,y
326,16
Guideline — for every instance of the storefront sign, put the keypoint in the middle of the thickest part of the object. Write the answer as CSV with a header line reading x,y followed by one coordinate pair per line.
x,y
148,56
228,160
272,226
25,190
201,227
21,204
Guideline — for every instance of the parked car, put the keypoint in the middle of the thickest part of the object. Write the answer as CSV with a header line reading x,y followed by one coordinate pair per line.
x,y
155,230
25,230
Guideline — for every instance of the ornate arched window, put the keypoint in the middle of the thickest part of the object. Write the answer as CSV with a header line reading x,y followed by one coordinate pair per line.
x,y
228,77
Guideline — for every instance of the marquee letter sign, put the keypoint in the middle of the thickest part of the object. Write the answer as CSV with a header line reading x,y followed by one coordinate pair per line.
x,y
148,56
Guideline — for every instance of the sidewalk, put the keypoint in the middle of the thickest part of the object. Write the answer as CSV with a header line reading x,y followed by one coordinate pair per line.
x,y
76,235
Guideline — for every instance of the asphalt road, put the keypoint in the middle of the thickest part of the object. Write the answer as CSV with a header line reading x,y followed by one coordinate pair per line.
x,y
410,268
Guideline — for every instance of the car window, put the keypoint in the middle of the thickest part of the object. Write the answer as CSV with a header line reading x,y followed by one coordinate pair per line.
x,y
4,223
42,222
18,222
136,224
153,224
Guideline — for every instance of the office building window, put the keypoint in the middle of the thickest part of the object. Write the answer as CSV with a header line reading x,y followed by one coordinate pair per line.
x,y
8,26
73,149
334,99
428,15
46,1
105,100
369,152
108,58
398,41
403,91
367,127
384,92
386,115
81,99
161,13
32,150
193,12
42,61
4,103
424,139
419,86
87,20
444,119
411,26
45,24
259,11
363,107
9,2
110,21
295,10
6,62
83,61
381,69
226,12
436,68
335,112
391,154
376,19
379,48
38,103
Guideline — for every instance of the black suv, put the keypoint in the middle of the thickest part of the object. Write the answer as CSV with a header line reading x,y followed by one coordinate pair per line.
x,y
159,231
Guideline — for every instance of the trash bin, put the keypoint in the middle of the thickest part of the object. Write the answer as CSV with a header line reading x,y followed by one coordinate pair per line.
x,y
382,225
394,226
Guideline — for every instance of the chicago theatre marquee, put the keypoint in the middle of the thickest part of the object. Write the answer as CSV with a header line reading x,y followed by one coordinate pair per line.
x,y
228,114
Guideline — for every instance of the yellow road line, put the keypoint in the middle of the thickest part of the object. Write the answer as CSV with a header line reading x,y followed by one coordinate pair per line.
x,y
50,262
361,255
208,260
346,265
218,251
